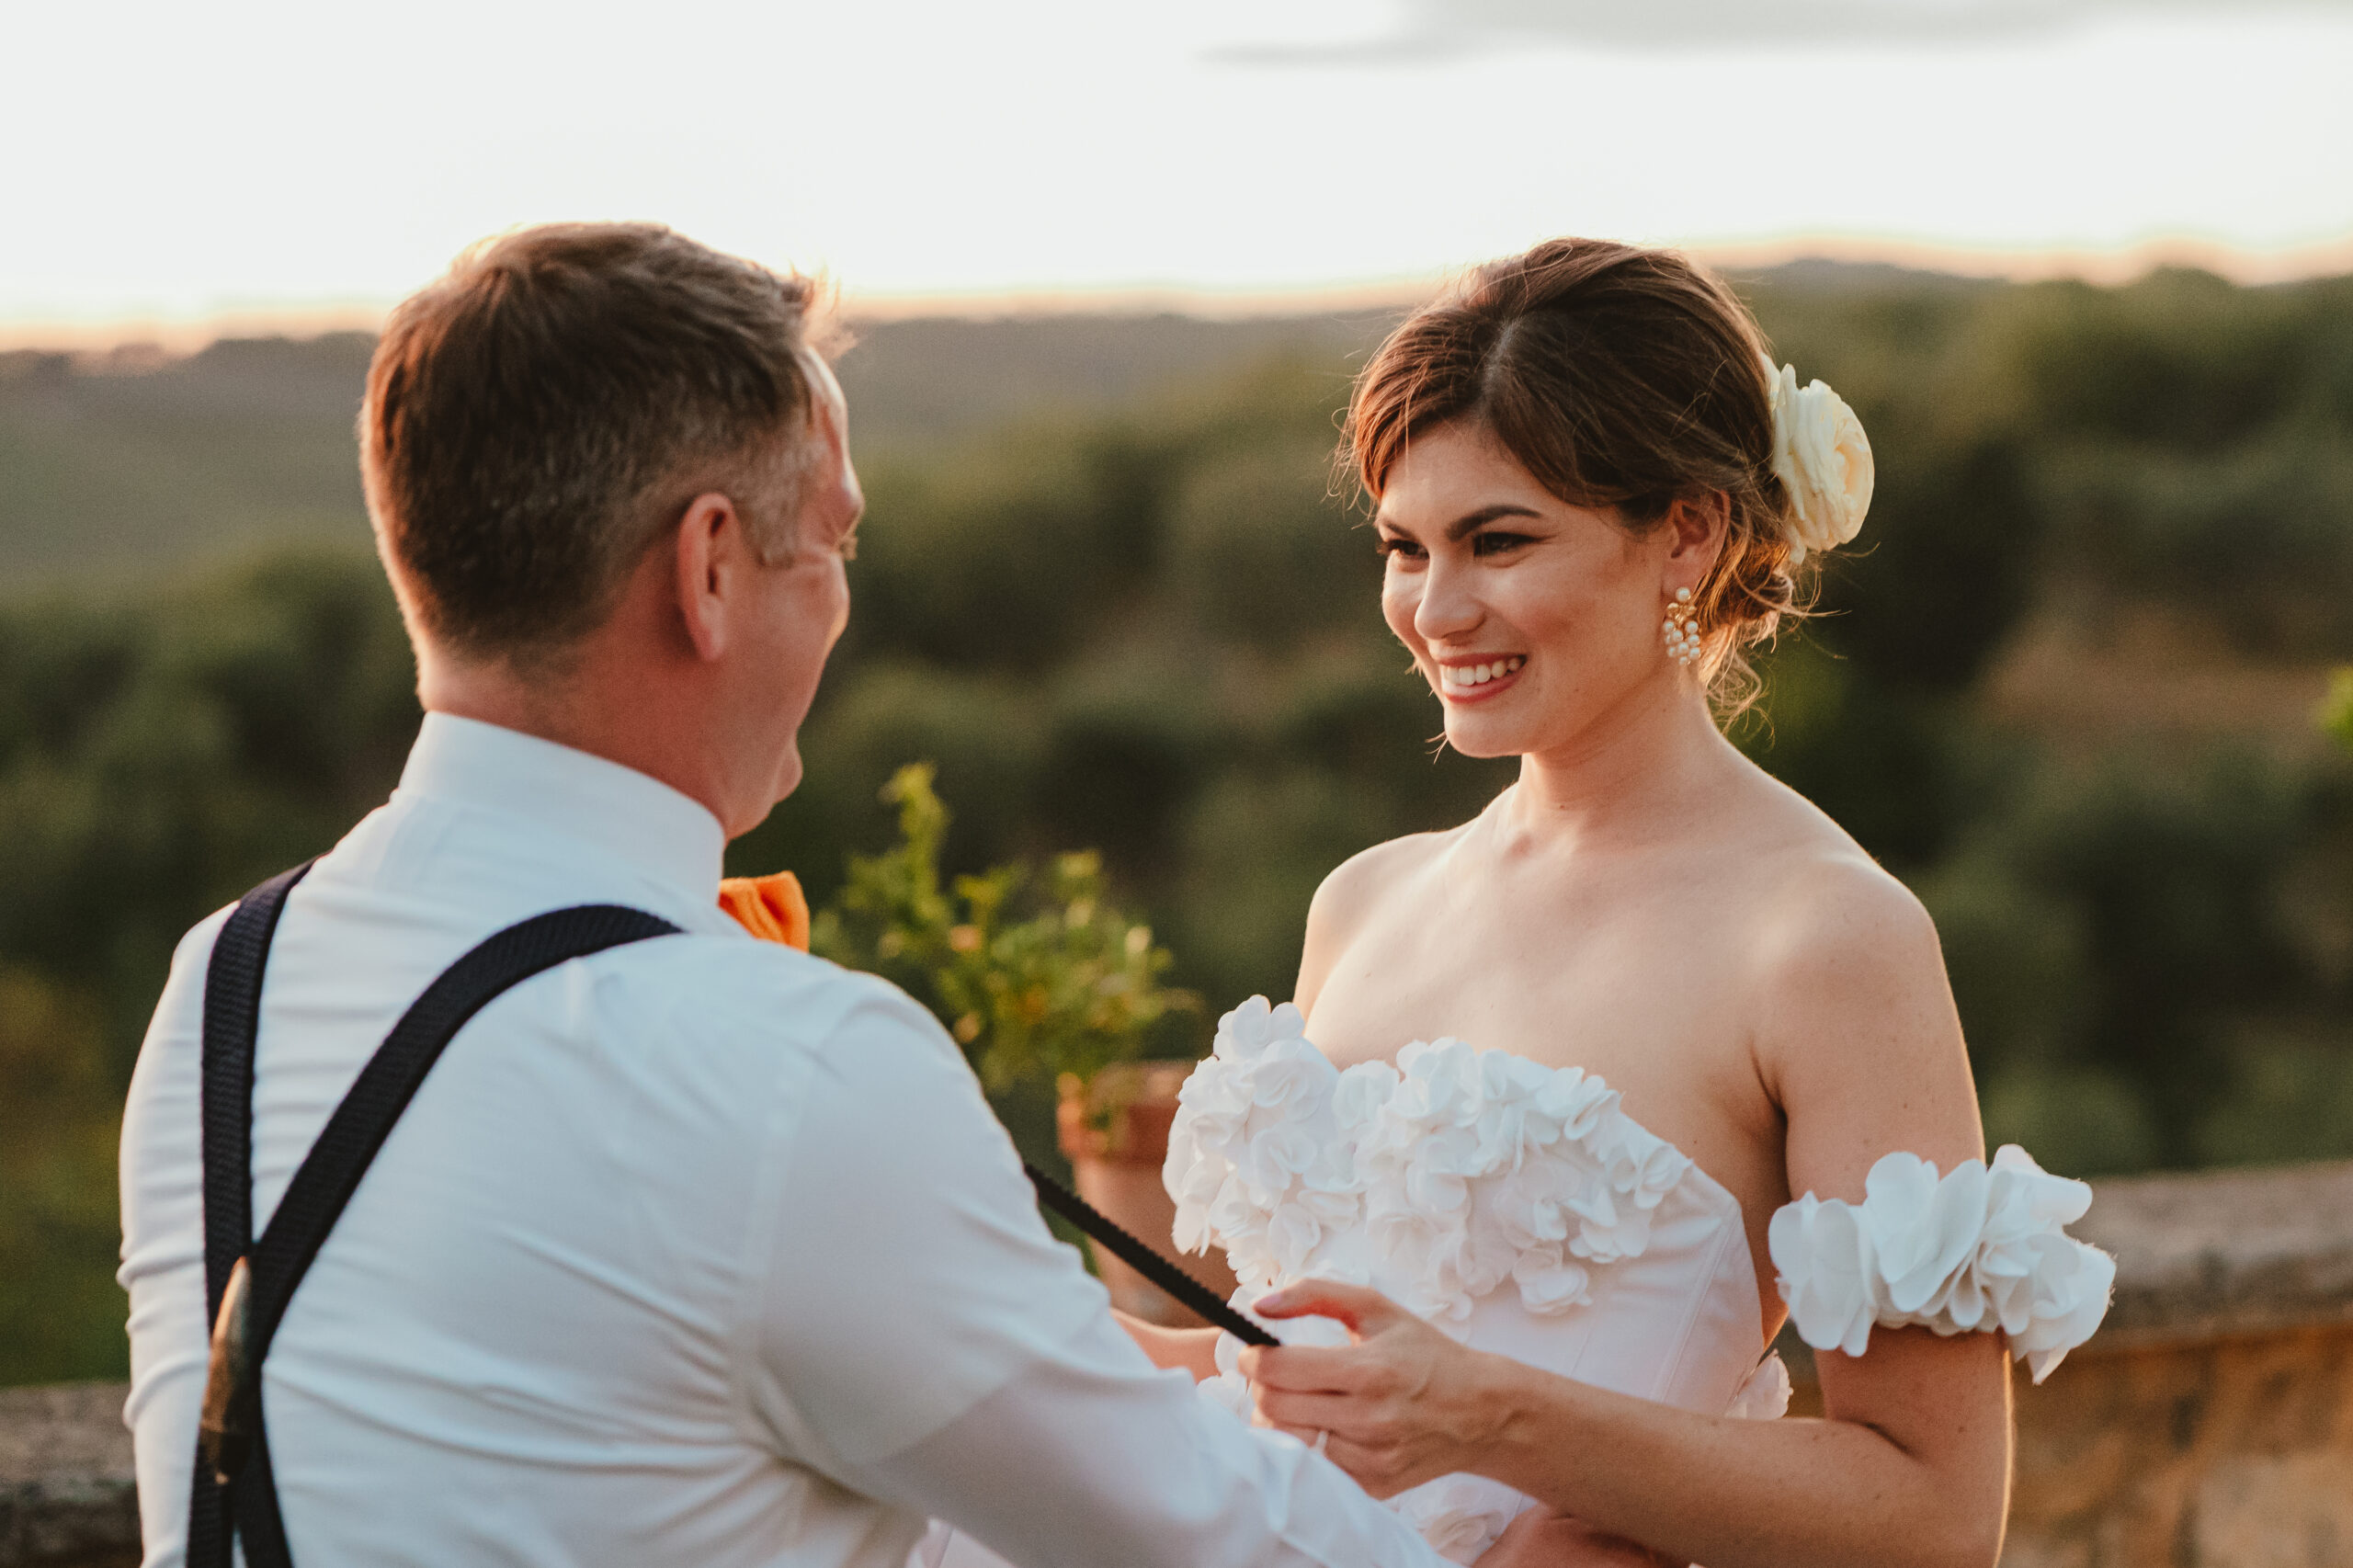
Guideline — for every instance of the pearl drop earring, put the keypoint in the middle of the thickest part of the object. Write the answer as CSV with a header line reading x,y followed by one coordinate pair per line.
x,y
1682,629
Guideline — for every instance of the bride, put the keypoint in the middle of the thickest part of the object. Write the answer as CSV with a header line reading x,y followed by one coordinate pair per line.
x,y
1713,1072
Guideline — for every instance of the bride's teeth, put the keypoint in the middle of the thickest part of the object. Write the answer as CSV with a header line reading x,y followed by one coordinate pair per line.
x,y
1462,677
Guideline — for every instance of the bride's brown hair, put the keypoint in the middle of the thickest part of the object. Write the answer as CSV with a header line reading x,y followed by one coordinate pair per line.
x,y
1623,380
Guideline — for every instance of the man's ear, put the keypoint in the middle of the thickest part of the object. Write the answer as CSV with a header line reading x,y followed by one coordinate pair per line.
x,y
709,557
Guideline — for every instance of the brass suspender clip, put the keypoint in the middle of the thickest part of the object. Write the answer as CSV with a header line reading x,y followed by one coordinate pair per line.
x,y
232,1383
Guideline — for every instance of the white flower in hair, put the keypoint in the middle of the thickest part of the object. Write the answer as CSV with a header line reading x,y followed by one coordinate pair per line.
x,y
1824,458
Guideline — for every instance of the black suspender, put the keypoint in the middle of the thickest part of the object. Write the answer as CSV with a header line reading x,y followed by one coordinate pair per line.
x,y
234,1487
232,1012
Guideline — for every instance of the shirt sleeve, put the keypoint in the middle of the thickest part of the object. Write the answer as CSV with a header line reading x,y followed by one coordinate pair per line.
x,y
923,1339
1073,1465
162,1249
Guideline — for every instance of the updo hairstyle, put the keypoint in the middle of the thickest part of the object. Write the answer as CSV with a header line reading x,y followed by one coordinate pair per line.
x,y
1623,380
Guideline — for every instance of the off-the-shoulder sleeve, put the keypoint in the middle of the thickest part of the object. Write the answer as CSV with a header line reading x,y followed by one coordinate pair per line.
x,y
1978,1248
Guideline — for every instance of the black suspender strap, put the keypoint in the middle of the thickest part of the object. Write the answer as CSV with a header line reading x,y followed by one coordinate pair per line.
x,y
235,1485
1105,1231
232,1013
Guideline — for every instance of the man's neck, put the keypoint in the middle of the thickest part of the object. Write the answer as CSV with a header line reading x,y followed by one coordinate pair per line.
x,y
622,721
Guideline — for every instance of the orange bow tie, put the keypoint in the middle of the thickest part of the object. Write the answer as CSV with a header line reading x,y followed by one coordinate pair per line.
x,y
772,908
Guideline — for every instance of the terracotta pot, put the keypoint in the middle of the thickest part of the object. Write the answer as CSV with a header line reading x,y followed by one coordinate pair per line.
x,y
1115,1133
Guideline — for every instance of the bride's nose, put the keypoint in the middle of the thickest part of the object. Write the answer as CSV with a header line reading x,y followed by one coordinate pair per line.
x,y
1449,607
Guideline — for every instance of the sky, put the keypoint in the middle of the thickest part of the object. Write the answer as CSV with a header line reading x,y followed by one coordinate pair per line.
x,y
173,163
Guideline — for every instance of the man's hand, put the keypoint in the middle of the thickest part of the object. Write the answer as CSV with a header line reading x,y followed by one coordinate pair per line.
x,y
1403,1405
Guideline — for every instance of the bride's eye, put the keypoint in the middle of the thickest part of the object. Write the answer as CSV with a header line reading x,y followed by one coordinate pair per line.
x,y
1388,545
1499,543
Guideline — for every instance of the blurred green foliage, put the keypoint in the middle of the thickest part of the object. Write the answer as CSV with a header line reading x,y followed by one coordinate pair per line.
x,y
61,1315
2337,709
1071,989
1148,626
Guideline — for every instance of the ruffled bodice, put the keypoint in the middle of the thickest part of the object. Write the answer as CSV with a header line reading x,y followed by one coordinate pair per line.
x,y
1522,1211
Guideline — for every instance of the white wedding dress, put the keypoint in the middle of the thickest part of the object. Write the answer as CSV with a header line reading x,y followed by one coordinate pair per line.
x,y
1521,1210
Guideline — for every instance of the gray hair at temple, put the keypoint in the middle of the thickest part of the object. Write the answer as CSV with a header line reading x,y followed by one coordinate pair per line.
x,y
536,418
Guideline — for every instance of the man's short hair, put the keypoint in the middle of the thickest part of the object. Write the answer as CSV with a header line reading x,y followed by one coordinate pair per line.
x,y
538,416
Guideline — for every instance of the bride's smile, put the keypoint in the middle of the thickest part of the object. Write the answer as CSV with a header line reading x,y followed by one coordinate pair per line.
x,y
1476,680
1500,590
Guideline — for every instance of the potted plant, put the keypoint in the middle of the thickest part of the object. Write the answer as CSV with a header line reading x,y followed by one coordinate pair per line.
x,y
1041,981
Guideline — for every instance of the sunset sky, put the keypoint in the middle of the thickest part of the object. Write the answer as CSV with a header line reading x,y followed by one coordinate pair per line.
x,y
175,162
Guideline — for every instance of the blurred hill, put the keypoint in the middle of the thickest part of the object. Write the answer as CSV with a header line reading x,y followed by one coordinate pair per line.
x,y
922,384
2064,688
131,463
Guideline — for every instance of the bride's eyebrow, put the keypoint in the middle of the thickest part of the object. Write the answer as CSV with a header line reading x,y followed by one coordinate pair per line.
x,y
1468,522
1464,525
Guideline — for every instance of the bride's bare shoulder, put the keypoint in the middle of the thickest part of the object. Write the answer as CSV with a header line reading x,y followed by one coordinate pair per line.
x,y
1814,889
1812,899
1370,873
1348,895
1855,1028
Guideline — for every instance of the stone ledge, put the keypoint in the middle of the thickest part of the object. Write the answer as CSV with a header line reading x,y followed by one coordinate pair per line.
x,y
2218,1254
68,1498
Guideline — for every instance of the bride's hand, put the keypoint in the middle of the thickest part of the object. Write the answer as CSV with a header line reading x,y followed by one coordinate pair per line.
x,y
1401,1405
1541,1538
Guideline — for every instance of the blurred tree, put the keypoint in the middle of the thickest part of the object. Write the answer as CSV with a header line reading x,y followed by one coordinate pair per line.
x,y
158,758
1247,530
61,1312
2337,709
2118,920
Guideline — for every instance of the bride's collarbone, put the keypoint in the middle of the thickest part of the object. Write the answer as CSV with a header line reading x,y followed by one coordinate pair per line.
x,y
1647,1034
1578,899
1646,984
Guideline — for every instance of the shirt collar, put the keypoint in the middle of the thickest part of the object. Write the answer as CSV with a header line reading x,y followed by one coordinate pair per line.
x,y
633,816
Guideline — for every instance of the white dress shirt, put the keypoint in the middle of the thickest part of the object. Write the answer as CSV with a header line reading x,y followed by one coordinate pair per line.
x,y
700,1251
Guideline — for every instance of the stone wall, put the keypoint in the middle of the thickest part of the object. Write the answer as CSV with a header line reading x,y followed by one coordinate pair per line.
x,y
66,1496
2208,1425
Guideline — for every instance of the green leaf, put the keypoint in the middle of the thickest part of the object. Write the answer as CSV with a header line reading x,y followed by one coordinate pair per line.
x,y
1035,976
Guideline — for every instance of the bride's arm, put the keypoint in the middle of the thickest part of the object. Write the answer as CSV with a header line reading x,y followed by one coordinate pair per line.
x,y
1859,1044
1190,1350
1910,1463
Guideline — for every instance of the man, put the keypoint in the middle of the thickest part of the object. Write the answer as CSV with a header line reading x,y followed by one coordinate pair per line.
x,y
697,1250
